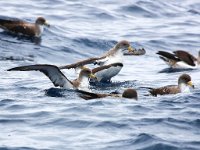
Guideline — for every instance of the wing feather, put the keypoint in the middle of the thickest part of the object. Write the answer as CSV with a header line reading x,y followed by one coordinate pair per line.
x,y
186,57
51,71
95,70
88,95
80,63
168,55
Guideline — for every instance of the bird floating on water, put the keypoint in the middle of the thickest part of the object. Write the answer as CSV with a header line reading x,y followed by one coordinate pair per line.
x,y
184,84
21,27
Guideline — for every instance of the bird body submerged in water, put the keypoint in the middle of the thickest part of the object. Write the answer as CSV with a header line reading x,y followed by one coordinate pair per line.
x,y
128,93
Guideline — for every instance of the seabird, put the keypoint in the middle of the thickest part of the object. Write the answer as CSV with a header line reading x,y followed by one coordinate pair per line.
x,y
128,93
180,59
184,84
138,52
114,55
18,26
58,78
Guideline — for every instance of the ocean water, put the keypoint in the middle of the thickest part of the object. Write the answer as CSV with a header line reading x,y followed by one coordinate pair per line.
x,y
35,115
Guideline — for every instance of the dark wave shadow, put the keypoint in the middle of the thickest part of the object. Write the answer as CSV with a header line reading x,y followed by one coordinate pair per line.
x,y
24,38
173,70
112,84
138,11
19,148
58,92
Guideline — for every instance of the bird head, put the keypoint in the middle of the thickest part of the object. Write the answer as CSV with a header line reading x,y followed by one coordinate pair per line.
x,y
123,46
42,21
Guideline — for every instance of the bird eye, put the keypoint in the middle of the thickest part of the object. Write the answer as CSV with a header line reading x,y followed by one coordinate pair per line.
x,y
125,44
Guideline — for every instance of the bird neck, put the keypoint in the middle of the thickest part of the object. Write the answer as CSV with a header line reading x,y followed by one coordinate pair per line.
x,y
115,57
39,30
84,83
184,88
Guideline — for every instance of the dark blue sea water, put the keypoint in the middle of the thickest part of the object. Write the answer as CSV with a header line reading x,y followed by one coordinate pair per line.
x,y
35,115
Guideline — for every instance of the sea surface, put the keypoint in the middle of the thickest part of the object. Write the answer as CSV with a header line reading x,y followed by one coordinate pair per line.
x,y
36,115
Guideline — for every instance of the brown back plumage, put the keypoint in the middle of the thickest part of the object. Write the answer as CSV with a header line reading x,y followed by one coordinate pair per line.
x,y
17,26
170,89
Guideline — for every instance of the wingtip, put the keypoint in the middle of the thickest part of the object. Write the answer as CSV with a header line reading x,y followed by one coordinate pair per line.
x,y
158,52
16,69
11,69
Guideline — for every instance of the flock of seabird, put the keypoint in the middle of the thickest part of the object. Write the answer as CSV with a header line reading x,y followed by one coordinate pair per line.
x,y
109,64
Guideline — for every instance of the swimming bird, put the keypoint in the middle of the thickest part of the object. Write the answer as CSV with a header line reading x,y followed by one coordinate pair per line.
x,y
180,59
19,26
184,84
58,78
128,93
114,55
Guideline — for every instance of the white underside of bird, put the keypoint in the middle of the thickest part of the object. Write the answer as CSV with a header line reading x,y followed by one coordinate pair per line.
x,y
107,74
183,65
84,84
184,88
117,58
41,29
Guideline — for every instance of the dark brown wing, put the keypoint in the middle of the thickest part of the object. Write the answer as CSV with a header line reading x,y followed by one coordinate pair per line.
x,y
170,89
186,57
168,55
106,67
89,95
51,71
80,63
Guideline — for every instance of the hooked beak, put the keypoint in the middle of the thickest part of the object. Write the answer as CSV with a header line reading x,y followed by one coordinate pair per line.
x,y
92,76
130,49
190,84
46,24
